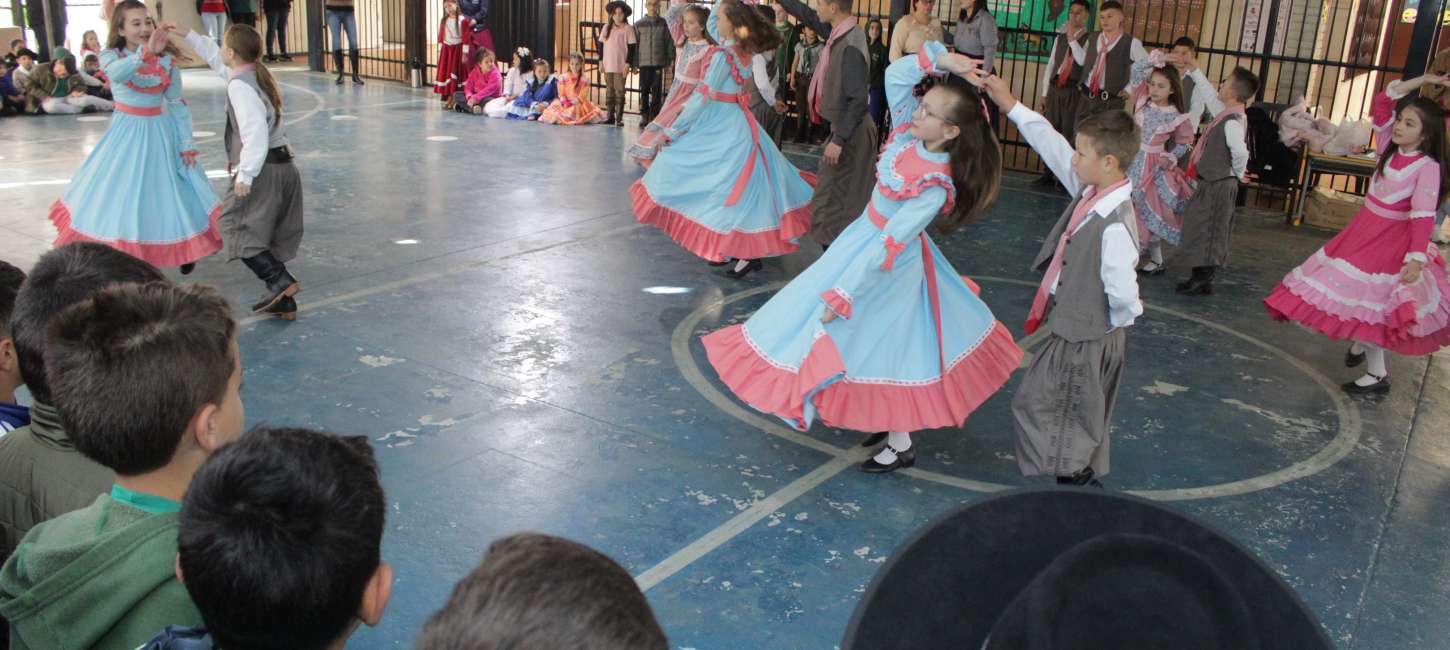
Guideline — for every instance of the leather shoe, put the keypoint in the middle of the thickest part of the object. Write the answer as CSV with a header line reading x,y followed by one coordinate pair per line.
x,y
873,439
1352,359
752,265
903,459
285,309
1381,386
1195,287
187,268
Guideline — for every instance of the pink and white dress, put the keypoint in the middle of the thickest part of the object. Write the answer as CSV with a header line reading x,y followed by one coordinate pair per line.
x,y
1351,289
1160,188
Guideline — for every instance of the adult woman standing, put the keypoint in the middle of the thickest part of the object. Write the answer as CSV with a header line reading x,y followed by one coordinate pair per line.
x,y
340,16
914,29
976,37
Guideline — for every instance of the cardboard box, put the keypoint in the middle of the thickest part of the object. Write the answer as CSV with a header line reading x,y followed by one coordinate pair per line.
x,y
1331,209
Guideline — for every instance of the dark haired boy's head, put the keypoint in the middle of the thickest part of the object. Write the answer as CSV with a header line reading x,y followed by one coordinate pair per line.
x,y
1078,12
64,277
834,10
279,542
1184,50
1110,16
1239,87
10,280
537,591
1106,145
146,377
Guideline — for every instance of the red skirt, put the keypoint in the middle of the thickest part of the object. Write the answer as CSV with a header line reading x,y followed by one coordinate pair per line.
x,y
450,64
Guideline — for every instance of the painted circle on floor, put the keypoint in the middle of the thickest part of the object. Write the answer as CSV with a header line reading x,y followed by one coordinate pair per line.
x,y
343,118
1345,439
202,134
441,138
93,118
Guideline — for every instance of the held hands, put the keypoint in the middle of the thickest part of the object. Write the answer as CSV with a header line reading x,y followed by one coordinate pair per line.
x,y
160,37
1432,79
780,106
958,64
832,154
999,91
1410,274
241,189
181,31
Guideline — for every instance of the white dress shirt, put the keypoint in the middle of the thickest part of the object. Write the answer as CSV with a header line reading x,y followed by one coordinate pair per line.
x,y
1079,54
1233,130
248,107
762,78
1120,245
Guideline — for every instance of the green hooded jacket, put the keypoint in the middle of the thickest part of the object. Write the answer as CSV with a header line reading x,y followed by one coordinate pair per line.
x,y
100,578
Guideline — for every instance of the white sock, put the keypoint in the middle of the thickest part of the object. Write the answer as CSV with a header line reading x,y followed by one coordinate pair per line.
x,y
741,264
1377,370
898,440
1155,252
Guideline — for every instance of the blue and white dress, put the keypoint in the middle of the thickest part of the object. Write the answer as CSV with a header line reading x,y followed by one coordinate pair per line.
x,y
912,346
133,192
720,188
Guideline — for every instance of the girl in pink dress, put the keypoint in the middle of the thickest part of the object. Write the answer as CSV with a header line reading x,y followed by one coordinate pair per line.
x,y
1160,187
1380,283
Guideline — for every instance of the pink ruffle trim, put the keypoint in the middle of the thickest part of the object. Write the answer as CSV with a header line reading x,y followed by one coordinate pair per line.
x,y
838,302
1395,333
171,254
861,406
715,246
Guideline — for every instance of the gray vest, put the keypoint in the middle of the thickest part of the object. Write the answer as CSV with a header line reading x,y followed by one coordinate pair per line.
x,y
1119,63
1216,163
832,94
276,135
1080,309
1060,50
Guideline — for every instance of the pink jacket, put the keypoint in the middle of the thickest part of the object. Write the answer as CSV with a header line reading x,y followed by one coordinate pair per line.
x,y
482,85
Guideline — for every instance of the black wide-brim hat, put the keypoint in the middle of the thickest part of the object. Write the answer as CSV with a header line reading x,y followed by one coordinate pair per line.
x,y
618,4
950,582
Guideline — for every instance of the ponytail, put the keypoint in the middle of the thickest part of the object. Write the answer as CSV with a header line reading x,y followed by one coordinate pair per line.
x,y
246,43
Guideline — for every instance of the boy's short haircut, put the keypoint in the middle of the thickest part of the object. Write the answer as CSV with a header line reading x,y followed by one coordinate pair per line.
x,y
130,367
1081,3
90,56
537,591
1112,133
280,534
1245,83
10,280
1184,41
61,278
844,6
1110,4
26,52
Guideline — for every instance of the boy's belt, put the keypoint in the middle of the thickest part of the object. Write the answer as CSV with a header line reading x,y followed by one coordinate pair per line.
x,y
282,154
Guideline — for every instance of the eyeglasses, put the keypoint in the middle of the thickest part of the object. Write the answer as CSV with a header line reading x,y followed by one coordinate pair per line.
x,y
921,110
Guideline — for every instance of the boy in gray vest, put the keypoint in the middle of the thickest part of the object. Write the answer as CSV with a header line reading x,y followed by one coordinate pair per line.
x,y
839,94
1107,62
1184,58
1087,298
261,220
1216,167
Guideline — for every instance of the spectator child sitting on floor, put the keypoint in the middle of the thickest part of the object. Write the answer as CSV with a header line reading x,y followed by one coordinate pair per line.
x,y
92,67
573,106
514,85
482,86
12,99
537,591
146,379
12,414
279,544
540,89
68,94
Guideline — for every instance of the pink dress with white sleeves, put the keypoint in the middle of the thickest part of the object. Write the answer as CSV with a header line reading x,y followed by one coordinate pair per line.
x,y
1351,289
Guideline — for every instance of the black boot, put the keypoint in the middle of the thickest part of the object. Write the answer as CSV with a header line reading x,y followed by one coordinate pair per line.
x,y
337,64
280,283
187,268
1083,478
285,309
354,55
1200,284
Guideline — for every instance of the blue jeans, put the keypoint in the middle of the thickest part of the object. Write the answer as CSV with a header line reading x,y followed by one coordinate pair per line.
x,y
336,21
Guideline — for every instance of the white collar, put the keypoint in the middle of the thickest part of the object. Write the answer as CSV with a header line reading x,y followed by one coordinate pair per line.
x,y
1110,201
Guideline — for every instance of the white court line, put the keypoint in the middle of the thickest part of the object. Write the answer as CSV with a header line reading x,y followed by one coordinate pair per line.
x,y
747,518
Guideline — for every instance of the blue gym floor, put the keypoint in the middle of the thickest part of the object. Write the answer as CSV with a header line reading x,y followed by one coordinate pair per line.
x,y
480,302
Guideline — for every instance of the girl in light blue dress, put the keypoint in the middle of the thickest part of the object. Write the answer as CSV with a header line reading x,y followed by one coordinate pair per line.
x,y
720,188
140,190
881,334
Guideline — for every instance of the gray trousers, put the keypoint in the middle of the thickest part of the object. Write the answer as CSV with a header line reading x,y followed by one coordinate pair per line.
x,y
269,218
1064,405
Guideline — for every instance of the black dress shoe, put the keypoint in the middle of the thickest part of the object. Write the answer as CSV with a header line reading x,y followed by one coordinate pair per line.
x,y
724,262
1195,287
1352,359
873,439
284,309
752,265
1381,386
1083,478
903,459
187,268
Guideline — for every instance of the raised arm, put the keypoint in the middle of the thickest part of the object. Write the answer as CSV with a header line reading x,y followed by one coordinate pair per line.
x,y
207,50
902,77
805,15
